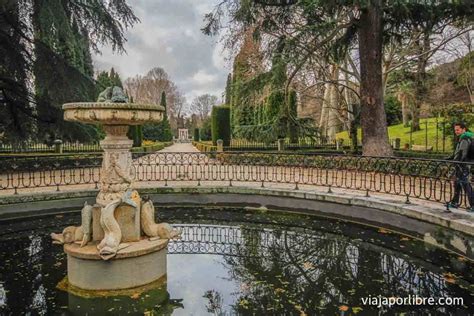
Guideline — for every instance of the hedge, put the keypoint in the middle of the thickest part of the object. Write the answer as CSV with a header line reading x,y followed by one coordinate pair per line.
x,y
220,124
196,135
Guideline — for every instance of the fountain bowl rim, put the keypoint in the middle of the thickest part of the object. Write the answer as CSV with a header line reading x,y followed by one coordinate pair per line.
x,y
113,106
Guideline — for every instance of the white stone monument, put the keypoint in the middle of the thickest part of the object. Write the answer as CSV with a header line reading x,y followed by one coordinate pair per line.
x,y
183,134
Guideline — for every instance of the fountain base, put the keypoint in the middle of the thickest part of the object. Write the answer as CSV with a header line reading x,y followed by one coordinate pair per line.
x,y
136,264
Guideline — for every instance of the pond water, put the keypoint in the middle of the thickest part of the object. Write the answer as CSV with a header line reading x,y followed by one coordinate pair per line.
x,y
238,261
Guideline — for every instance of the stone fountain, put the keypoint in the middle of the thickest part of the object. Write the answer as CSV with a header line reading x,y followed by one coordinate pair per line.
x,y
118,245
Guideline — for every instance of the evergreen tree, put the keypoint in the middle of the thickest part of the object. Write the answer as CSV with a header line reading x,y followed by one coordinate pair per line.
x,y
115,78
17,118
159,131
59,33
103,81
228,89
108,79
332,26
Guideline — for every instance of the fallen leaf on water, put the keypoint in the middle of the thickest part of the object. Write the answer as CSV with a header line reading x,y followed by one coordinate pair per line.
x,y
279,290
449,280
308,265
404,238
462,259
244,303
343,308
135,296
383,231
355,310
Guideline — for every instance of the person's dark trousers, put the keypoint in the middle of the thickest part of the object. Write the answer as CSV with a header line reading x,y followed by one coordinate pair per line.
x,y
462,182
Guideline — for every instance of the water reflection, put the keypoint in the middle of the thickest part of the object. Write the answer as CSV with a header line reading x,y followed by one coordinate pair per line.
x,y
152,299
3,296
302,270
230,262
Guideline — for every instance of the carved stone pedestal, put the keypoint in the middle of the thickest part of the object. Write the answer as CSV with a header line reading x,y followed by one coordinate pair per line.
x,y
138,264
117,171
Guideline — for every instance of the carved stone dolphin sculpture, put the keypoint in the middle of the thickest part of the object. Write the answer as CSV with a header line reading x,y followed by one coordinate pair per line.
x,y
109,246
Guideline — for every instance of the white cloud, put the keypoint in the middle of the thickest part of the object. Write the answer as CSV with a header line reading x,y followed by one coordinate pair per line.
x,y
169,36
204,78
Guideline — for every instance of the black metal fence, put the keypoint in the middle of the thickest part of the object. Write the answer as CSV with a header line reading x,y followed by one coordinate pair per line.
x,y
32,147
425,179
287,144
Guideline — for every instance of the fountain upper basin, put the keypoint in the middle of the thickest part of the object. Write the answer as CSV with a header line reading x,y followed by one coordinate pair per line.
x,y
113,113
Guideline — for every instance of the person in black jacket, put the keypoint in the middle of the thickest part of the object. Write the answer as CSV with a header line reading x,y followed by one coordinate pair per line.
x,y
462,170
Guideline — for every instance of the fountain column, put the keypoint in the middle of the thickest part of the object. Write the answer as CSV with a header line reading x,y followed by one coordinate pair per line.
x,y
117,172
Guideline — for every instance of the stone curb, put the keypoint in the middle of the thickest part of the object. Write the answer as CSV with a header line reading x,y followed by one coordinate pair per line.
x,y
456,220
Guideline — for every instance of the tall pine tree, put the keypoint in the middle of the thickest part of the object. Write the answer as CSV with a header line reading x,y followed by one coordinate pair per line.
x,y
330,27
51,48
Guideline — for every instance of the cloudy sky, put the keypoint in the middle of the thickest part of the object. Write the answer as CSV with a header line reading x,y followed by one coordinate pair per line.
x,y
169,36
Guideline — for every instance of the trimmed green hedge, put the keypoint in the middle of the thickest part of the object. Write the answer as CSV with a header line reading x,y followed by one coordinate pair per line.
x,y
151,148
403,166
220,124
196,137
50,162
135,133
204,146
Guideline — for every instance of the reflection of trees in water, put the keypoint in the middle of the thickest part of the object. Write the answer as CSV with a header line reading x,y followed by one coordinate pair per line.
x,y
35,251
291,271
214,305
3,296
25,260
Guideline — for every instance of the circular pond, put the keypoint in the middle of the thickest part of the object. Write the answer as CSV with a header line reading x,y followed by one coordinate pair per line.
x,y
240,261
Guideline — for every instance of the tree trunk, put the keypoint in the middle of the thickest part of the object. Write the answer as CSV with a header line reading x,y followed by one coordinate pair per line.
x,y
420,78
351,113
373,118
323,120
405,112
334,115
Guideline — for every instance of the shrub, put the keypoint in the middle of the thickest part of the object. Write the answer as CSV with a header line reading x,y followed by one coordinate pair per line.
x,y
220,127
455,113
158,131
196,137
393,110
135,133
205,130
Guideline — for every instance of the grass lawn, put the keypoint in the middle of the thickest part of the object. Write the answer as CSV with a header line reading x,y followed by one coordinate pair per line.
x,y
433,138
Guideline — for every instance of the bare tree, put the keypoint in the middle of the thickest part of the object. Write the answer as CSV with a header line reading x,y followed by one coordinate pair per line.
x,y
202,105
148,89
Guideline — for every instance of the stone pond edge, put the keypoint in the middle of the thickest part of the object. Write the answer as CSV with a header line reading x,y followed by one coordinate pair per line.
x,y
457,220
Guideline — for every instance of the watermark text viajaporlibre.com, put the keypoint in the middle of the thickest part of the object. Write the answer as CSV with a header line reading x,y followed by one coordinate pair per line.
x,y
380,301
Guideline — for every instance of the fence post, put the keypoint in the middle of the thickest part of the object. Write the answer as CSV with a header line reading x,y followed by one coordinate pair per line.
x,y
281,144
58,146
437,134
396,143
220,145
426,135
444,136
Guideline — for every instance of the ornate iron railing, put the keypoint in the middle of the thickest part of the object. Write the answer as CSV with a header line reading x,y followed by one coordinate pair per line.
x,y
299,250
408,177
